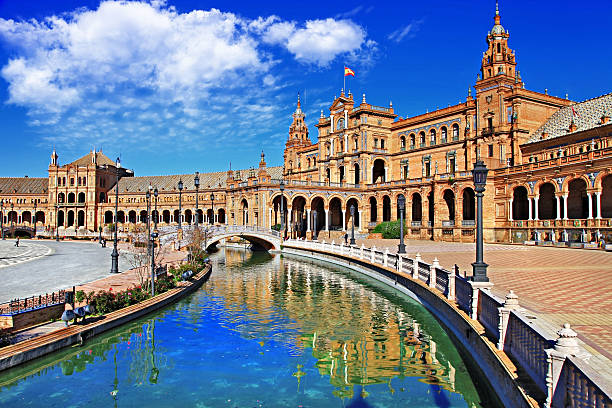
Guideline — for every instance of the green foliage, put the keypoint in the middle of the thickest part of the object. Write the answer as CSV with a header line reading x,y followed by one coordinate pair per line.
x,y
109,301
276,227
5,337
79,296
389,229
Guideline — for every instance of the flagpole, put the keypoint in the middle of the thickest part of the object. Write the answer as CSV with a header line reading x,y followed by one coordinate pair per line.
x,y
344,77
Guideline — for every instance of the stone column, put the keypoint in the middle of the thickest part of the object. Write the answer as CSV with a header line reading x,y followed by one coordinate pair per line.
x,y
565,206
590,206
308,220
343,220
271,218
361,224
386,174
598,194
530,209
535,206
558,208
566,345
510,304
510,209
290,219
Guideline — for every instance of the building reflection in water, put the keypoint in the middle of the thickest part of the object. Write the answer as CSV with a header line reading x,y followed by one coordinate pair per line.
x,y
358,336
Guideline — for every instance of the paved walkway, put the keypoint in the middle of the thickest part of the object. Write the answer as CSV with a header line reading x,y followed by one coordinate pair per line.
x,y
26,251
557,285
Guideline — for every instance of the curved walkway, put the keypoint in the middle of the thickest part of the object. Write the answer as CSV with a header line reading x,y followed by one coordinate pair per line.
x,y
26,251
557,285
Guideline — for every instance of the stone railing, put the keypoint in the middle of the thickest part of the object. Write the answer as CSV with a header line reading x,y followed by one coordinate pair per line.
x,y
555,363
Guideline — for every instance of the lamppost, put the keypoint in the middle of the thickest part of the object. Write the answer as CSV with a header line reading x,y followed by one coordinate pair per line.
x,y
34,217
12,217
148,196
282,189
57,222
2,217
154,236
314,222
155,194
115,253
180,229
353,226
196,182
212,206
401,205
480,179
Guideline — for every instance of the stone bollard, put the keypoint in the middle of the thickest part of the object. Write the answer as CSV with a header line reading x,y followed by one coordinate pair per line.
x,y
361,251
510,304
451,283
385,256
566,345
372,253
415,266
400,262
433,273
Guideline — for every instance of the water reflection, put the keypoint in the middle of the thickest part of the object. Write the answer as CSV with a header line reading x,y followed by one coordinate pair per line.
x,y
264,328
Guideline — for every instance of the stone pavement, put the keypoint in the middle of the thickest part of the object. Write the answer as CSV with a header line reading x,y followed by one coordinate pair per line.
x,y
26,251
556,285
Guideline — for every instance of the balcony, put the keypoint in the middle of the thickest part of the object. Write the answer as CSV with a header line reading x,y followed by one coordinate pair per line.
x,y
468,223
415,223
448,223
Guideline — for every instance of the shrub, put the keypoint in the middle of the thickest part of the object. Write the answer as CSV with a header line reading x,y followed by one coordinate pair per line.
x,y
276,227
79,296
389,229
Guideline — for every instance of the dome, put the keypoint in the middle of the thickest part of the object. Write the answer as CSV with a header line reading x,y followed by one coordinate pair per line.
x,y
498,29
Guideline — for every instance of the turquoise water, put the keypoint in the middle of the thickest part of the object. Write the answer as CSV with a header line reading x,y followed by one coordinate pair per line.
x,y
264,331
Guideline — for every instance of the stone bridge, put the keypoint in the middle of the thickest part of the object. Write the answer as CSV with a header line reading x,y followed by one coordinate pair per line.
x,y
260,237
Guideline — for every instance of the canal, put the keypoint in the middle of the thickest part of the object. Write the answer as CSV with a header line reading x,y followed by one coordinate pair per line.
x,y
263,331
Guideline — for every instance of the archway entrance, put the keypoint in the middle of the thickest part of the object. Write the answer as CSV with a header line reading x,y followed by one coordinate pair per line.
x,y
298,217
373,210
378,171
577,200
469,204
318,215
417,207
335,214
547,203
520,204
449,199
386,208
349,220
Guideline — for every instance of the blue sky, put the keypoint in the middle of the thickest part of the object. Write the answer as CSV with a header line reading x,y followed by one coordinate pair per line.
x,y
177,86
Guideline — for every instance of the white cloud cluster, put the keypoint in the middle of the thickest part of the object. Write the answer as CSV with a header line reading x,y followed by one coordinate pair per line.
x,y
137,68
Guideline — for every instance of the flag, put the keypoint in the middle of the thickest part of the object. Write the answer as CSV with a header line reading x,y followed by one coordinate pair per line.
x,y
574,112
348,71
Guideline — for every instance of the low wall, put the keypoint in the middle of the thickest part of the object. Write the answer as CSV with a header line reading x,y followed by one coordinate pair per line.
x,y
28,350
21,320
492,330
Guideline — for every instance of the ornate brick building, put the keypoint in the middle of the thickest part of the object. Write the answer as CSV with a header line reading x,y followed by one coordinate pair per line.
x,y
551,162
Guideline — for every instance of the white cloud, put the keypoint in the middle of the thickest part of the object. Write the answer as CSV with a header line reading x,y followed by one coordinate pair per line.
x,y
141,72
408,30
359,10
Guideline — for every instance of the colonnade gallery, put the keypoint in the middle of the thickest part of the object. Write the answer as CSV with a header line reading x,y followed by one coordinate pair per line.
x,y
550,177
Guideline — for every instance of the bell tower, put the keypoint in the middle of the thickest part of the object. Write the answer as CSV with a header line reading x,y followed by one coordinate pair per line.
x,y
498,61
298,131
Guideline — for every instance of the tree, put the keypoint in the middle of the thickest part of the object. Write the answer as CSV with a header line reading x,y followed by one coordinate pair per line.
x,y
138,255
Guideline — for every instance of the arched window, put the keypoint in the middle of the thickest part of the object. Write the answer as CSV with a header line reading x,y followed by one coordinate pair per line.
x,y
432,136
455,132
443,134
422,138
412,140
403,142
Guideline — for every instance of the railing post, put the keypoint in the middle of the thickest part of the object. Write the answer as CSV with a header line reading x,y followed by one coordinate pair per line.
x,y
385,256
400,261
565,345
372,253
433,273
361,251
415,266
451,282
510,304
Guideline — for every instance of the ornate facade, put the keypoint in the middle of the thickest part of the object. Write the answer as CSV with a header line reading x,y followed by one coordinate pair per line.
x,y
550,180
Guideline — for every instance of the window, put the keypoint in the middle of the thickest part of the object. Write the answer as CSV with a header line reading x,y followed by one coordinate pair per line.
x,y
422,137
403,142
451,164
490,123
382,143
355,144
498,47
428,169
490,150
405,171
412,140
443,134
432,135
375,143
455,132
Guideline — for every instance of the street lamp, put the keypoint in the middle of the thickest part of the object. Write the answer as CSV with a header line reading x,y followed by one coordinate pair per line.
x,y
34,217
115,253
154,236
2,217
196,182
212,206
12,217
401,205
148,196
57,222
180,189
353,226
314,221
282,189
155,193
480,179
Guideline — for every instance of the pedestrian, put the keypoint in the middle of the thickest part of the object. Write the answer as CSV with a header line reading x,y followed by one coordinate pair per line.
x,y
346,239
17,242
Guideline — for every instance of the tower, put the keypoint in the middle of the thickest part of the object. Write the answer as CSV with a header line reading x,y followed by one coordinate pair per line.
x,y
298,138
54,157
498,61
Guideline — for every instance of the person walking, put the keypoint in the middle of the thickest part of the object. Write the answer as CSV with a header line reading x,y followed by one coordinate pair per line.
x,y
17,242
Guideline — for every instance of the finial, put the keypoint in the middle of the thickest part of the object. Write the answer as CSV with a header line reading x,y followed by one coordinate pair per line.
x,y
322,114
496,7
545,91
470,92
342,92
363,99
230,165
566,96
390,104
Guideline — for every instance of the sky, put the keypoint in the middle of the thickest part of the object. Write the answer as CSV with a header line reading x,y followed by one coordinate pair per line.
x,y
183,85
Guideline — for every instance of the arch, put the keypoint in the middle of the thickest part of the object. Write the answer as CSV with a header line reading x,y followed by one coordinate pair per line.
x,y
132,217
421,138
166,216
335,214
412,140
386,208
81,218
276,207
188,216
71,197
210,216
70,218
378,171
60,218
298,216
108,217
469,204
61,198
221,216
449,199
121,216
432,136
455,131
547,203
520,203
403,142
356,172
244,206
143,216
354,202
26,216
81,197
199,214
373,210
577,200
606,196
417,207
443,134
176,215
40,217
317,206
